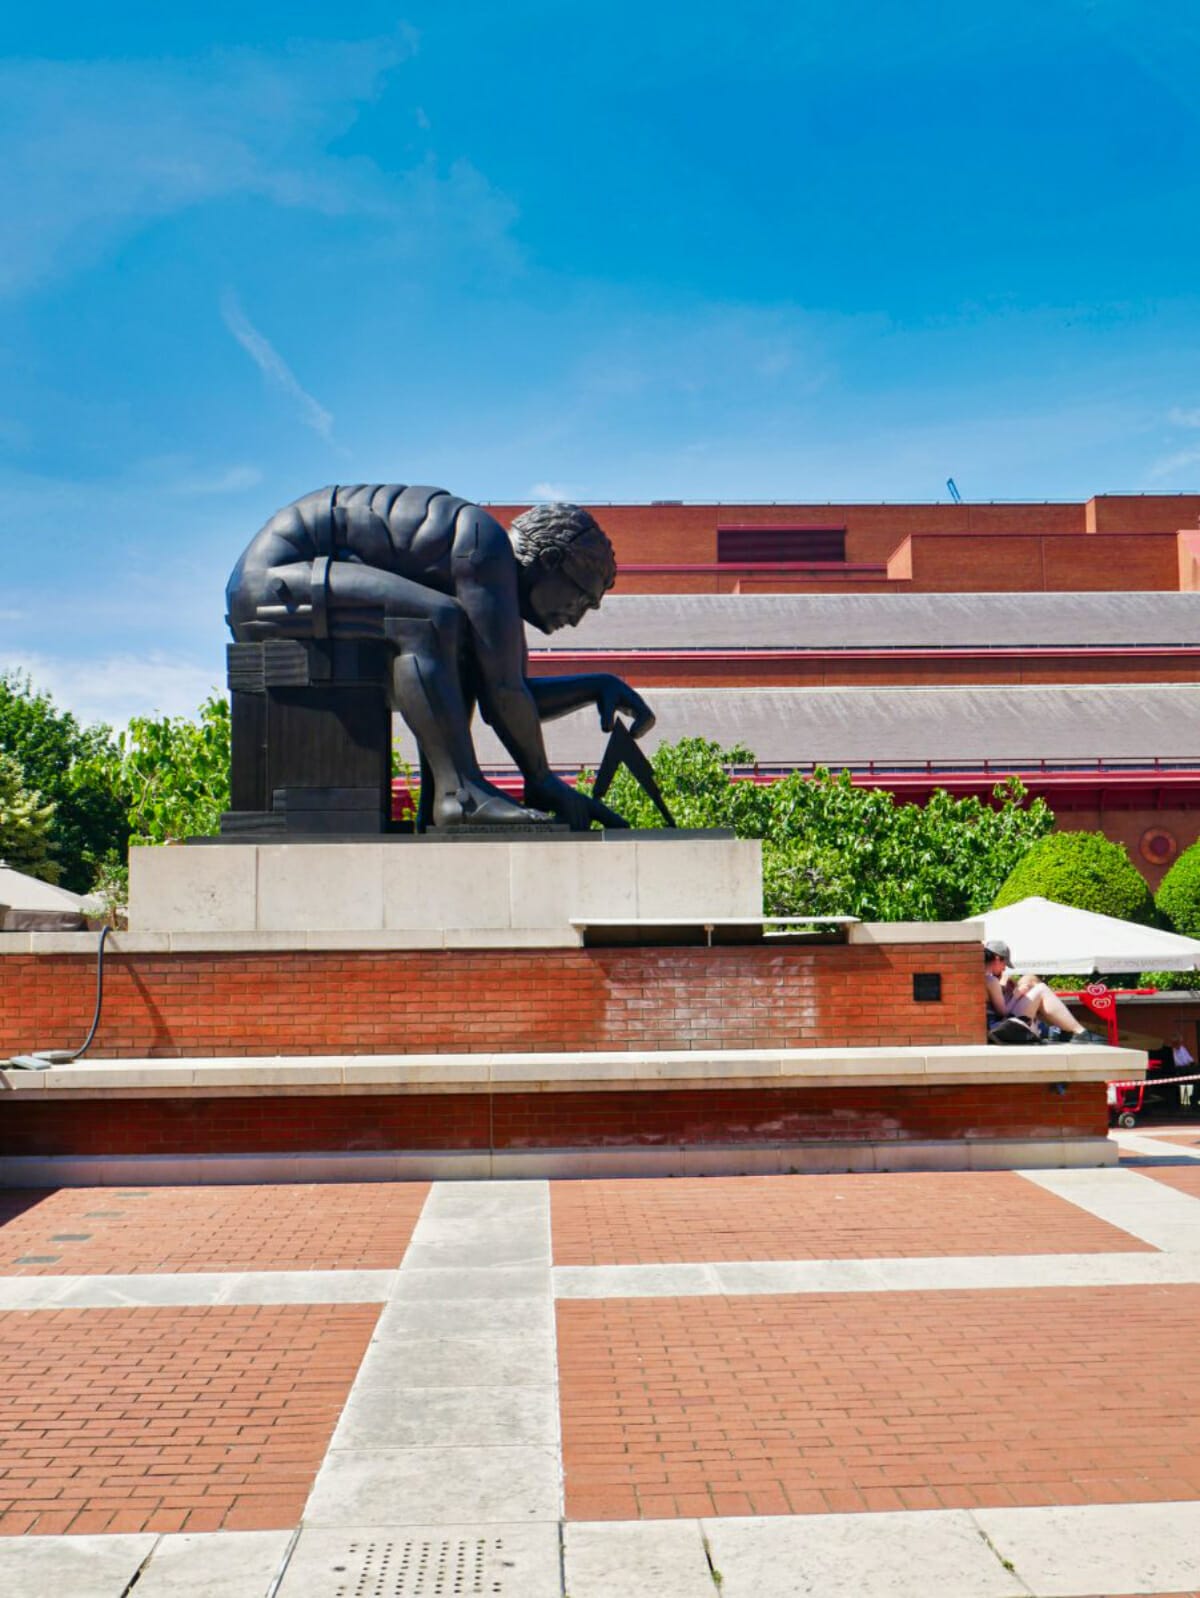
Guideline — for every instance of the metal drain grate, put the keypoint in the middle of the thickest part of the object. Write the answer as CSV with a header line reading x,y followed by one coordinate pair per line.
x,y
425,1567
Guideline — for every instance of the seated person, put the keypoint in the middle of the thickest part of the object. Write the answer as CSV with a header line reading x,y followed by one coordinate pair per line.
x,y
1027,997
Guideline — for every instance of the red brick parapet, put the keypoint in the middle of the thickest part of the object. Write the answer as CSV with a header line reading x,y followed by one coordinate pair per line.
x,y
291,1002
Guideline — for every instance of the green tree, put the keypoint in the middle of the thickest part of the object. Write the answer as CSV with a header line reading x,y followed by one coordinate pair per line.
x,y
26,823
1084,869
71,767
173,773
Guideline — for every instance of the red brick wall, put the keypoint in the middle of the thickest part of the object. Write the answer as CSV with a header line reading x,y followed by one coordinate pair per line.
x,y
474,1001
955,548
526,1121
1137,513
1043,563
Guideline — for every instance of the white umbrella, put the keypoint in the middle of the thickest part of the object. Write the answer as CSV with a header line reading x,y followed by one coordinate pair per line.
x,y
1055,938
20,892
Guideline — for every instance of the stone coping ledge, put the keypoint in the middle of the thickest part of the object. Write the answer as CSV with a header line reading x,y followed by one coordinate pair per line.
x,y
570,936
642,1070
84,943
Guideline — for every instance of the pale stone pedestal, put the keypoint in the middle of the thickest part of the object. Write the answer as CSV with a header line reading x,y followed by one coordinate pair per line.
x,y
514,891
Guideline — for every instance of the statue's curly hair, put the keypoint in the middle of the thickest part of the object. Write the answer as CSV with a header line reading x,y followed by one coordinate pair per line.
x,y
571,529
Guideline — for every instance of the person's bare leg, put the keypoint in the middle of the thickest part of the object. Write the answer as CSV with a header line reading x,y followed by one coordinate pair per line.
x,y
1041,1003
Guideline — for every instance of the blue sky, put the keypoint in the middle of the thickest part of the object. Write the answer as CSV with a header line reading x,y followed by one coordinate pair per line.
x,y
832,250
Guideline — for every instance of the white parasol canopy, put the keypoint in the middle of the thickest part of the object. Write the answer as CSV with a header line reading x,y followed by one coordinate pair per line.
x,y
20,892
1055,938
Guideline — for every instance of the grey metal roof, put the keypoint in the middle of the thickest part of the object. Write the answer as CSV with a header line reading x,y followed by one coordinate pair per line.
x,y
830,621
855,725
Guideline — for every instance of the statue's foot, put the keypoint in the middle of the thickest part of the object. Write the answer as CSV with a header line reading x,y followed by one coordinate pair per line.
x,y
472,806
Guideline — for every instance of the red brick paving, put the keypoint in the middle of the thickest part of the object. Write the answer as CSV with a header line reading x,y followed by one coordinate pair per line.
x,y
849,1402
169,1420
342,1226
1184,1178
820,1217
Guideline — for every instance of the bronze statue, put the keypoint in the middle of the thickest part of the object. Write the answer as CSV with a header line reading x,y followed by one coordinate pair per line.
x,y
441,584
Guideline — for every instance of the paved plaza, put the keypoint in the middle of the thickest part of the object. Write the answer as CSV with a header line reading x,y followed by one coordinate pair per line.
x,y
952,1385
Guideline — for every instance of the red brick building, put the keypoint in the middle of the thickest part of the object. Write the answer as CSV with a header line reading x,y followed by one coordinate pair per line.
x,y
918,645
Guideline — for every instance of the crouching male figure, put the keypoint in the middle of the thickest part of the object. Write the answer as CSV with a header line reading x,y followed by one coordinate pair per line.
x,y
449,588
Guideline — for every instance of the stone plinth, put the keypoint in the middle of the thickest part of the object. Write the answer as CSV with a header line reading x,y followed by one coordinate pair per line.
x,y
414,885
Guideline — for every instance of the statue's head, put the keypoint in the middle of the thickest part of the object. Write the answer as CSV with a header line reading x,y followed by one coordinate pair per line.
x,y
566,564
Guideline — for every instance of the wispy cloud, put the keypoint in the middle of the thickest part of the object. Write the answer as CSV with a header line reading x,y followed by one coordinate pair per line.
x,y
93,149
273,366
1178,417
227,480
1168,465
115,687
551,493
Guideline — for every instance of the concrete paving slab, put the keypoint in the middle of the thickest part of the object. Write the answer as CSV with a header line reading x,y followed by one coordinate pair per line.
x,y
458,1227
458,1361
916,1555
1154,1148
81,1567
435,1486
634,1281
1100,1548
465,1317
492,1248
483,1201
446,1283
617,1559
223,1564
938,1274
1037,1270
428,1417
504,1561
1136,1204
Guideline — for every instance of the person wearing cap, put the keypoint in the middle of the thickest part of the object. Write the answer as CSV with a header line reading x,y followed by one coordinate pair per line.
x,y
1029,997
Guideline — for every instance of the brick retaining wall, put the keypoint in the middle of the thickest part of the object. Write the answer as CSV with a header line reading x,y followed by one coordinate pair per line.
x,y
444,1122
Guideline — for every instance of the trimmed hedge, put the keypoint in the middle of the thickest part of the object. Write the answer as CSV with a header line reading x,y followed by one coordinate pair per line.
x,y
1178,897
1083,869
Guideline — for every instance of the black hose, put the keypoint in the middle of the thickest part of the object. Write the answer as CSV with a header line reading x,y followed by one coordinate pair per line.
x,y
42,1059
87,1042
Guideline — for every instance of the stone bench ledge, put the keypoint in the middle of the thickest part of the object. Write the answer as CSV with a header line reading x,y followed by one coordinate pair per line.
x,y
946,1066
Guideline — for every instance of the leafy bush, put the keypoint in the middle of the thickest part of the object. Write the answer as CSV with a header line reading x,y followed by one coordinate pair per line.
x,y
1178,897
1084,869
831,848
1178,902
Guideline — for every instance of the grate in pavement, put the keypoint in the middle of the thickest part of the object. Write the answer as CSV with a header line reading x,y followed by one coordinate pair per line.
x,y
424,1567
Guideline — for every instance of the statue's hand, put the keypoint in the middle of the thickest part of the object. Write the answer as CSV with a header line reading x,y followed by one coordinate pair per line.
x,y
615,695
577,809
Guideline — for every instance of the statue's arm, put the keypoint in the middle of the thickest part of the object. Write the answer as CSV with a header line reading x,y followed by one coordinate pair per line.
x,y
558,696
485,584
